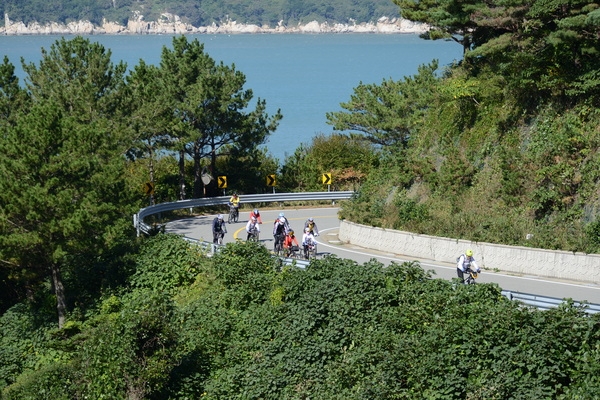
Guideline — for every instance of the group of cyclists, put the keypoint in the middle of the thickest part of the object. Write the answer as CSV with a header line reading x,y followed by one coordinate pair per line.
x,y
285,240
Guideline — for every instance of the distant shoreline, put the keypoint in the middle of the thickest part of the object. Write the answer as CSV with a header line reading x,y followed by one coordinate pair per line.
x,y
172,24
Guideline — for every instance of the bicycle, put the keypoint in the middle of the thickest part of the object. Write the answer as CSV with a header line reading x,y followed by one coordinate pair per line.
x,y
310,250
470,277
253,235
234,214
292,252
218,237
278,248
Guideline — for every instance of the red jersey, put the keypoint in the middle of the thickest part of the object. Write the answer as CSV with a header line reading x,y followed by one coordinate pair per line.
x,y
290,241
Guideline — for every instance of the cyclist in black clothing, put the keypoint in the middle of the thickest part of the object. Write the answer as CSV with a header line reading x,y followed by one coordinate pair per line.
x,y
219,229
279,232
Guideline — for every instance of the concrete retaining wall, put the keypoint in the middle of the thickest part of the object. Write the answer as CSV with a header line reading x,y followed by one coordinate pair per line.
x,y
520,260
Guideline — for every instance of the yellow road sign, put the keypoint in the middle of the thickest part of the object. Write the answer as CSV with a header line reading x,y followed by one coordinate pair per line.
x,y
148,188
271,180
222,182
326,178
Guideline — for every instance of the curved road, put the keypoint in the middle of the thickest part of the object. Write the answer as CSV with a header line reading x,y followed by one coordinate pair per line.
x,y
328,224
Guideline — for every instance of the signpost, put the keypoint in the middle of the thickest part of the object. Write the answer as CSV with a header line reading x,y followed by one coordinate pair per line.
x,y
148,188
206,178
326,179
222,183
271,181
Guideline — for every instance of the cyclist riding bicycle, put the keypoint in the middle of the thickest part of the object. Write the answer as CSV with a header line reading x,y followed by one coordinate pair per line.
x,y
290,244
466,263
252,228
256,214
279,232
218,228
308,242
312,226
234,202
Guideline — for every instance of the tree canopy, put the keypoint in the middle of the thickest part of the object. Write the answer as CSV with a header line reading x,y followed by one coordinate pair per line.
x,y
64,153
200,107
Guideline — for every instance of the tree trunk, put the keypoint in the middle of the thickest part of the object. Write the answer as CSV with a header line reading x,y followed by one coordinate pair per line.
x,y
213,167
151,169
197,172
181,174
59,292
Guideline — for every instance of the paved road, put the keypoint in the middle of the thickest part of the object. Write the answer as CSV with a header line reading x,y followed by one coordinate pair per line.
x,y
328,224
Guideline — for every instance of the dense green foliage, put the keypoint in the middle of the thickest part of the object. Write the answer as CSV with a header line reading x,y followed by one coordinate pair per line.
x,y
66,204
347,160
502,147
81,140
232,326
199,12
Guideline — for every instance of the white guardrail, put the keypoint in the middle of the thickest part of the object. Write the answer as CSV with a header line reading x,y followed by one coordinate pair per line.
x,y
540,302
141,226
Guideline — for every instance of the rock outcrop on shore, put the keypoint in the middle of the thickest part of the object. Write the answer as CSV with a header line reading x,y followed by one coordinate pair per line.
x,y
172,24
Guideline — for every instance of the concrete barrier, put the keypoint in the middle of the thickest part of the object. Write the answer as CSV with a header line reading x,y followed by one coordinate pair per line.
x,y
519,260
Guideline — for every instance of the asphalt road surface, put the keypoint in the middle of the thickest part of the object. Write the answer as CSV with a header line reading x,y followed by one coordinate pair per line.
x,y
328,223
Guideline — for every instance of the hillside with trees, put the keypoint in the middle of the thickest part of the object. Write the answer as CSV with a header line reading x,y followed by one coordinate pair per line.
x,y
198,12
503,147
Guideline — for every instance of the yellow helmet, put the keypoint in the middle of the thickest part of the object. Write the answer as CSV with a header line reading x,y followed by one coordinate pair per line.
x,y
469,253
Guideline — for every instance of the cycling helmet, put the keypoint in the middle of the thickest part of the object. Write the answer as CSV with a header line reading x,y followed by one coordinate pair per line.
x,y
281,215
311,219
256,211
253,219
307,230
291,233
469,253
220,217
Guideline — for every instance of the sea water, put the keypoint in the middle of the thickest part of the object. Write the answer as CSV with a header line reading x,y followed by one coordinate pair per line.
x,y
304,75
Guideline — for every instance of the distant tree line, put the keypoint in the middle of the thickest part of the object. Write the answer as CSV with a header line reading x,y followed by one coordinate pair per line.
x,y
199,12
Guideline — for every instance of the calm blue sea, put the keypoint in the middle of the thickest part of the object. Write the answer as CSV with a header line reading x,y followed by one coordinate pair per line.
x,y
304,75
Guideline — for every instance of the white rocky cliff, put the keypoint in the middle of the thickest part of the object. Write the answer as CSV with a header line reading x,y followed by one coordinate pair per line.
x,y
172,24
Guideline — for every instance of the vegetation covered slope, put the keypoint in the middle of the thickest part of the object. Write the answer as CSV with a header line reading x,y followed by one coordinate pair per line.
x,y
199,12
233,327
503,147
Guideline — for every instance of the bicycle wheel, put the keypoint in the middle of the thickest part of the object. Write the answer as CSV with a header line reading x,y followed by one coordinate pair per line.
x,y
278,247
